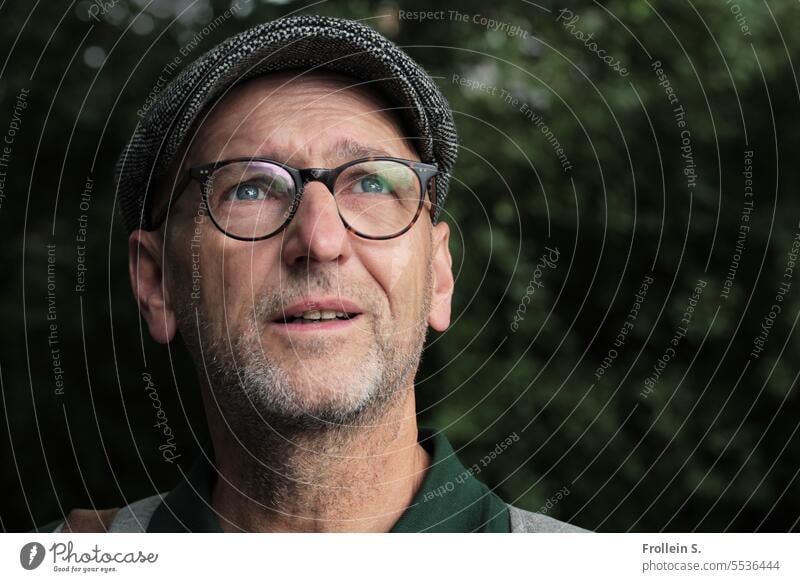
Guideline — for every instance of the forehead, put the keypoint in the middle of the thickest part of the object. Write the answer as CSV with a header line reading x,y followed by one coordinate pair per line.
x,y
302,118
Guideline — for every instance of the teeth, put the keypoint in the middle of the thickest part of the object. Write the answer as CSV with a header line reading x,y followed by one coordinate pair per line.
x,y
324,314
319,315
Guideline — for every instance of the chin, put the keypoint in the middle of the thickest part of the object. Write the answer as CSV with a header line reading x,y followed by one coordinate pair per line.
x,y
316,394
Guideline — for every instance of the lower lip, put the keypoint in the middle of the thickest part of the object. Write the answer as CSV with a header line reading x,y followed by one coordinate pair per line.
x,y
326,325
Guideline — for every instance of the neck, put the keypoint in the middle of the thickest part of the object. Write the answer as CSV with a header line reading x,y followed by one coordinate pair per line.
x,y
345,478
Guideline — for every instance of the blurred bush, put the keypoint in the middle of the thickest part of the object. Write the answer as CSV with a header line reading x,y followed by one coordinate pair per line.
x,y
559,150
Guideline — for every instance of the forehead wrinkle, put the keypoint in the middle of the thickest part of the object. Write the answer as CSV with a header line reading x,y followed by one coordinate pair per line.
x,y
234,120
325,145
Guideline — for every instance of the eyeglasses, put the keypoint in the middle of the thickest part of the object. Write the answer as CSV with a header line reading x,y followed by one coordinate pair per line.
x,y
252,199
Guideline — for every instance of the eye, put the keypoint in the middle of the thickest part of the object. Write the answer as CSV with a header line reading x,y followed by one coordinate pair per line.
x,y
372,183
246,192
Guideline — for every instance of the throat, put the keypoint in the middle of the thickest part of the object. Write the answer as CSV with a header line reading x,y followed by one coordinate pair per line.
x,y
361,480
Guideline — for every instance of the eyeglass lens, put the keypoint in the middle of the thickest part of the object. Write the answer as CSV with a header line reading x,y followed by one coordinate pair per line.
x,y
252,199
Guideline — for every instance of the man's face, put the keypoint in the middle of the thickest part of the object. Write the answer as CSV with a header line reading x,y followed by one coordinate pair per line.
x,y
229,297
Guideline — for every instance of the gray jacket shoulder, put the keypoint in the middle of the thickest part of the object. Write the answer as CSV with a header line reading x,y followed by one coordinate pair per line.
x,y
133,518
523,521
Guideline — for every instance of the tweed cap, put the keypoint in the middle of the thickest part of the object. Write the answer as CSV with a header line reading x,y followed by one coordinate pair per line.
x,y
317,43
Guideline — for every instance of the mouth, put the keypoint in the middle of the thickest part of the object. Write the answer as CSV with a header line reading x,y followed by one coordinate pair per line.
x,y
318,315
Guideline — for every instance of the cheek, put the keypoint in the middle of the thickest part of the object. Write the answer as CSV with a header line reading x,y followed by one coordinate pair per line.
x,y
232,277
397,266
244,280
183,262
399,272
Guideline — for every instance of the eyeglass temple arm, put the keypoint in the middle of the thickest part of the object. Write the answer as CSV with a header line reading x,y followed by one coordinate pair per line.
x,y
430,188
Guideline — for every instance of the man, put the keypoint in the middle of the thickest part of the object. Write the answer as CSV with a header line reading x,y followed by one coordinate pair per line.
x,y
283,198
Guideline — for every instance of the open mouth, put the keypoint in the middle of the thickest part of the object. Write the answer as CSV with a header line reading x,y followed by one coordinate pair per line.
x,y
316,317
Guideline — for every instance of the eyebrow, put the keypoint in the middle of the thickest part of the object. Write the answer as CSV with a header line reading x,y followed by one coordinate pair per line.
x,y
351,149
344,149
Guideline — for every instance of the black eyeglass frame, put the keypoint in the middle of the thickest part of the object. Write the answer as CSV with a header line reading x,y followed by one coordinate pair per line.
x,y
426,176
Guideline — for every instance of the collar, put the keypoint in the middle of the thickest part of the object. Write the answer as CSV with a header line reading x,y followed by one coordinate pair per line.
x,y
450,498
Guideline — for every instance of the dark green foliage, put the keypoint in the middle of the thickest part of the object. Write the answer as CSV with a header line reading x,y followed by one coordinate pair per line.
x,y
712,447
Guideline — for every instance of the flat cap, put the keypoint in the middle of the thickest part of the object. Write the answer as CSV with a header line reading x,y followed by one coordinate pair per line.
x,y
317,43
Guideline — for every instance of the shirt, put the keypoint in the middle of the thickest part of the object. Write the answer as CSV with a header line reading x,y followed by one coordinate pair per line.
x,y
450,498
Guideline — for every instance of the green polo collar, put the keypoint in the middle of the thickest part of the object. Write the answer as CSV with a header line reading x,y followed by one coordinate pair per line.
x,y
450,499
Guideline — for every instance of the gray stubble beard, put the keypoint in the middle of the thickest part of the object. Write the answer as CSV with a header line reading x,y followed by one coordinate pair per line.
x,y
269,417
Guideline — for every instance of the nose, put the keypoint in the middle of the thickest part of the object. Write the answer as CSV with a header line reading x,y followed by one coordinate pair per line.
x,y
316,232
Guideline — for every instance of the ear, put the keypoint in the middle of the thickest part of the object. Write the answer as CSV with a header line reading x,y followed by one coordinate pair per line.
x,y
145,256
442,266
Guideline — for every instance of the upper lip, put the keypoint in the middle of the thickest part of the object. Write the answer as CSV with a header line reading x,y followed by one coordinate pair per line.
x,y
317,304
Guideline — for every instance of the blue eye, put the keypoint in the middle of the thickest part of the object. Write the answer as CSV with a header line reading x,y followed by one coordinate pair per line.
x,y
372,183
250,191
256,189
